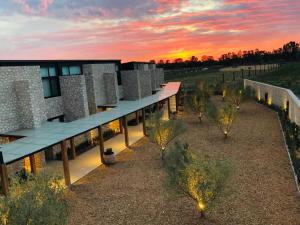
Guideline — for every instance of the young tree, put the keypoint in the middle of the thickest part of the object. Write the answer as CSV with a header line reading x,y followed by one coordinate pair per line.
x,y
235,96
162,132
235,93
200,100
38,200
201,179
225,117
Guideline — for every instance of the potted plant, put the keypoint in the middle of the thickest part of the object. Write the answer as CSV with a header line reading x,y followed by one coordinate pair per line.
x,y
109,156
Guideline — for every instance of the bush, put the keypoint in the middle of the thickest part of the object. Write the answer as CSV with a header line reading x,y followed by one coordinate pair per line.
x,y
162,132
201,179
38,200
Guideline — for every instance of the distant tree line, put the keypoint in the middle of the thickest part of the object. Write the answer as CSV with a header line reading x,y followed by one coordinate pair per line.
x,y
289,52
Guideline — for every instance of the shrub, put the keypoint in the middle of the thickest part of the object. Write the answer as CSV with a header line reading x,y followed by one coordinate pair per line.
x,y
38,200
199,101
201,179
162,132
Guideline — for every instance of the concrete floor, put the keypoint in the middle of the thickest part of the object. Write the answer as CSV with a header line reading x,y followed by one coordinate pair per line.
x,y
88,161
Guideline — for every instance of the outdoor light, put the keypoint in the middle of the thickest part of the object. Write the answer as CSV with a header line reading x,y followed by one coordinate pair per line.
x,y
201,205
270,100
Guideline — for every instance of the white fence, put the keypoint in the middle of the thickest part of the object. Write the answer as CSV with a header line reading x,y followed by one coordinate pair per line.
x,y
278,96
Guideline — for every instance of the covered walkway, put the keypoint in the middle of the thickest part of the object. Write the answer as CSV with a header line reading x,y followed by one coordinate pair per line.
x,y
90,160
52,133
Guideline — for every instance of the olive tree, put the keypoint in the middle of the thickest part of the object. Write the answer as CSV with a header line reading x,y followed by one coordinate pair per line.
x,y
162,132
38,200
201,179
223,116
235,93
198,104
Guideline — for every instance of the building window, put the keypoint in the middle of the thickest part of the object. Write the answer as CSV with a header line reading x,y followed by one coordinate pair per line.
x,y
71,70
50,82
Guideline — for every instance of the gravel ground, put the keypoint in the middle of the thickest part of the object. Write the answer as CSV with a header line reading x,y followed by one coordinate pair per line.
x,y
134,191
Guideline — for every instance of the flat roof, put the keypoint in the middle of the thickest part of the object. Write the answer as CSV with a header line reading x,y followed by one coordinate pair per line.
x,y
58,61
51,133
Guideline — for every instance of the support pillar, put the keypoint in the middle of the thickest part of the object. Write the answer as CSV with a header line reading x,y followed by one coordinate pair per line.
x,y
144,121
4,175
101,144
33,164
169,108
177,102
126,131
73,148
121,126
157,106
137,117
64,154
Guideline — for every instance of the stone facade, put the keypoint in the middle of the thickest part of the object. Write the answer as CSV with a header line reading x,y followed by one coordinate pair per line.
x,y
54,107
11,98
96,91
74,95
111,88
131,84
145,83
154,84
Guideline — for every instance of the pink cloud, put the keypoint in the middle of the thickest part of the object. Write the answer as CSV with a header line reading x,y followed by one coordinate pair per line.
x,y
238,25
44,4
25,6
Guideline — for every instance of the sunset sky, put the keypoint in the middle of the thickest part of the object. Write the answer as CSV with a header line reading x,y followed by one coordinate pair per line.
x,y
143,30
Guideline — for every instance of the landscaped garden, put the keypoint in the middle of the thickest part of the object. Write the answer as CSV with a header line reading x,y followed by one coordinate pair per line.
x,y
141,188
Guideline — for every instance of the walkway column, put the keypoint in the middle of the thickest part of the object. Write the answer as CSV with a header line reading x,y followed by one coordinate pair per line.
x,y
4,175
73,149
120,125
177,101
101,144
137,117
64,155
144,121
126,131
33,164
169,108
157,106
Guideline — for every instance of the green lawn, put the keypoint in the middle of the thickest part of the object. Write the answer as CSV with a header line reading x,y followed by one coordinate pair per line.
x,y
211,75
287,76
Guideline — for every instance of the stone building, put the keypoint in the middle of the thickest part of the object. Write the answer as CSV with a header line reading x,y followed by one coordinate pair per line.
x,y
36,92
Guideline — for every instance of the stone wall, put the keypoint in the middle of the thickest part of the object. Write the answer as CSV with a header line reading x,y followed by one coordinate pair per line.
x,y
131,84
74,95
111,88
54,107
145,83
277,96
10,118
154,84
96,91
160,76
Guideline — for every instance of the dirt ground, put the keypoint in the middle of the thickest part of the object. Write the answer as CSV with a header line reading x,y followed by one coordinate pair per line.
x,y
261,191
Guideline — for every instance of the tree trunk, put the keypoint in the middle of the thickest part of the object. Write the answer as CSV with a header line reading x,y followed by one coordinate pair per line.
x,y
162,154
226,135
200,117
202,214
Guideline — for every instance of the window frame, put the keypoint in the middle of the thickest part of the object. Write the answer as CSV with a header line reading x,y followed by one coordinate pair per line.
x,y
51,79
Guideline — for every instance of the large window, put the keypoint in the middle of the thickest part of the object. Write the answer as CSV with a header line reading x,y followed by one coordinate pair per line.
x,y
71,70
50,82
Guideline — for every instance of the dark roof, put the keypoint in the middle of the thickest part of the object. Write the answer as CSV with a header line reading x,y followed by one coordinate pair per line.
x,y
55,62
135,62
